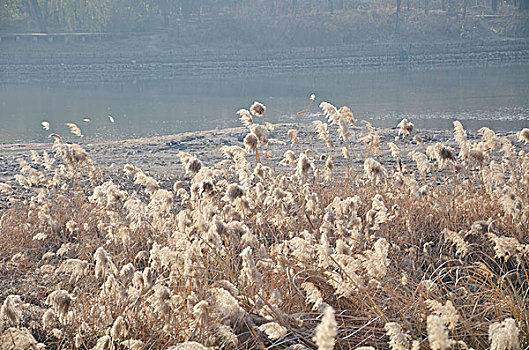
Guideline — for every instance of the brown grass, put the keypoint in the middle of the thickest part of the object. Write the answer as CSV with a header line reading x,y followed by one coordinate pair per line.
x,y
377,247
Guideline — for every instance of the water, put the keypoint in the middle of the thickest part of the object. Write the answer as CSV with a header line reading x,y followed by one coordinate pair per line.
x,y
497,97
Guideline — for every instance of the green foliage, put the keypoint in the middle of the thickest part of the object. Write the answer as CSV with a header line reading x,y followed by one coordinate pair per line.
x,y
10,10
81,15
148,15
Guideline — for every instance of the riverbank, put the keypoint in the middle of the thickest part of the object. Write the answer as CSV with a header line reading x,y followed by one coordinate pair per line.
x,y
158,156
43,62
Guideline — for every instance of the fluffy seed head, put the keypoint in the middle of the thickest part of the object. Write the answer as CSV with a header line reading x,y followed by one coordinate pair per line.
x,y
261,132
245,117
289,158
10,310
504,335
273,330
330,112
323,133
189,345
437,333
293,136
460,134
127,272
193,166
119,329
405,127
523,136
250,142
397,338
447,312
233,192
5,188
374,171
61,301
104,343
326,330
104,264
258,109
304,165
48,318
347,115
74,129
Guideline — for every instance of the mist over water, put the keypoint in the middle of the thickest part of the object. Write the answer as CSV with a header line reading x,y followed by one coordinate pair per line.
x,y
497,97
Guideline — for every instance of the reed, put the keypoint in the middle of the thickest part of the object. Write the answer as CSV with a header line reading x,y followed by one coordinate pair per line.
x,y
254,253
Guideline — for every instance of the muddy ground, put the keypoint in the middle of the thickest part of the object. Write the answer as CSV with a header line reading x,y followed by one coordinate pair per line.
x,y
158,156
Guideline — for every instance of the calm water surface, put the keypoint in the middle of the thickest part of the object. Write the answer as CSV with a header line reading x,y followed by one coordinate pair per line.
x,y
497,97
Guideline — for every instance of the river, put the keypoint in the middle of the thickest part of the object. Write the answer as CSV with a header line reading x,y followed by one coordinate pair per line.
x,y
497,97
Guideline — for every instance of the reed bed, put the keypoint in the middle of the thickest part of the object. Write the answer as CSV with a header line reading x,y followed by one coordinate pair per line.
x,y
422,247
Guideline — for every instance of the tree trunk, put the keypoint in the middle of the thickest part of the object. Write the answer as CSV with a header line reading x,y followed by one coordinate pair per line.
x,y
45,10
164,10
331,7
37,13
451,8
465,8
397,21
186,8
524,5
494,5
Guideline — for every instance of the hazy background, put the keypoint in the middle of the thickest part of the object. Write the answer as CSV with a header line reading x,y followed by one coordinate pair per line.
x,y
161,67
272,23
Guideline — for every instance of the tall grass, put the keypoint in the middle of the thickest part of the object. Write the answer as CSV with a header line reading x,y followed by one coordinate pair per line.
x,y
360,244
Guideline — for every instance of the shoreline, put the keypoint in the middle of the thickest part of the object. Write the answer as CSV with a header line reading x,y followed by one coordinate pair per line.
x,y
89,66
159,155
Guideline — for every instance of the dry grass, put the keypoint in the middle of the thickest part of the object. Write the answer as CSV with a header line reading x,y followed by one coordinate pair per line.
x,y
424,247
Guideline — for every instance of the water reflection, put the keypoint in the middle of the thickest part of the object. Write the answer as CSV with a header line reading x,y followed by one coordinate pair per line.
x,y
497,97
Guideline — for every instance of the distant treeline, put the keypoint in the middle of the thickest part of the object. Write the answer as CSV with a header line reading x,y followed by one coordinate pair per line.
x,y
145,15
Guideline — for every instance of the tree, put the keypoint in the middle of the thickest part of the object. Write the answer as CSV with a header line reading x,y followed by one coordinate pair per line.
x,y
397,15
36,12
10,10
165,9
